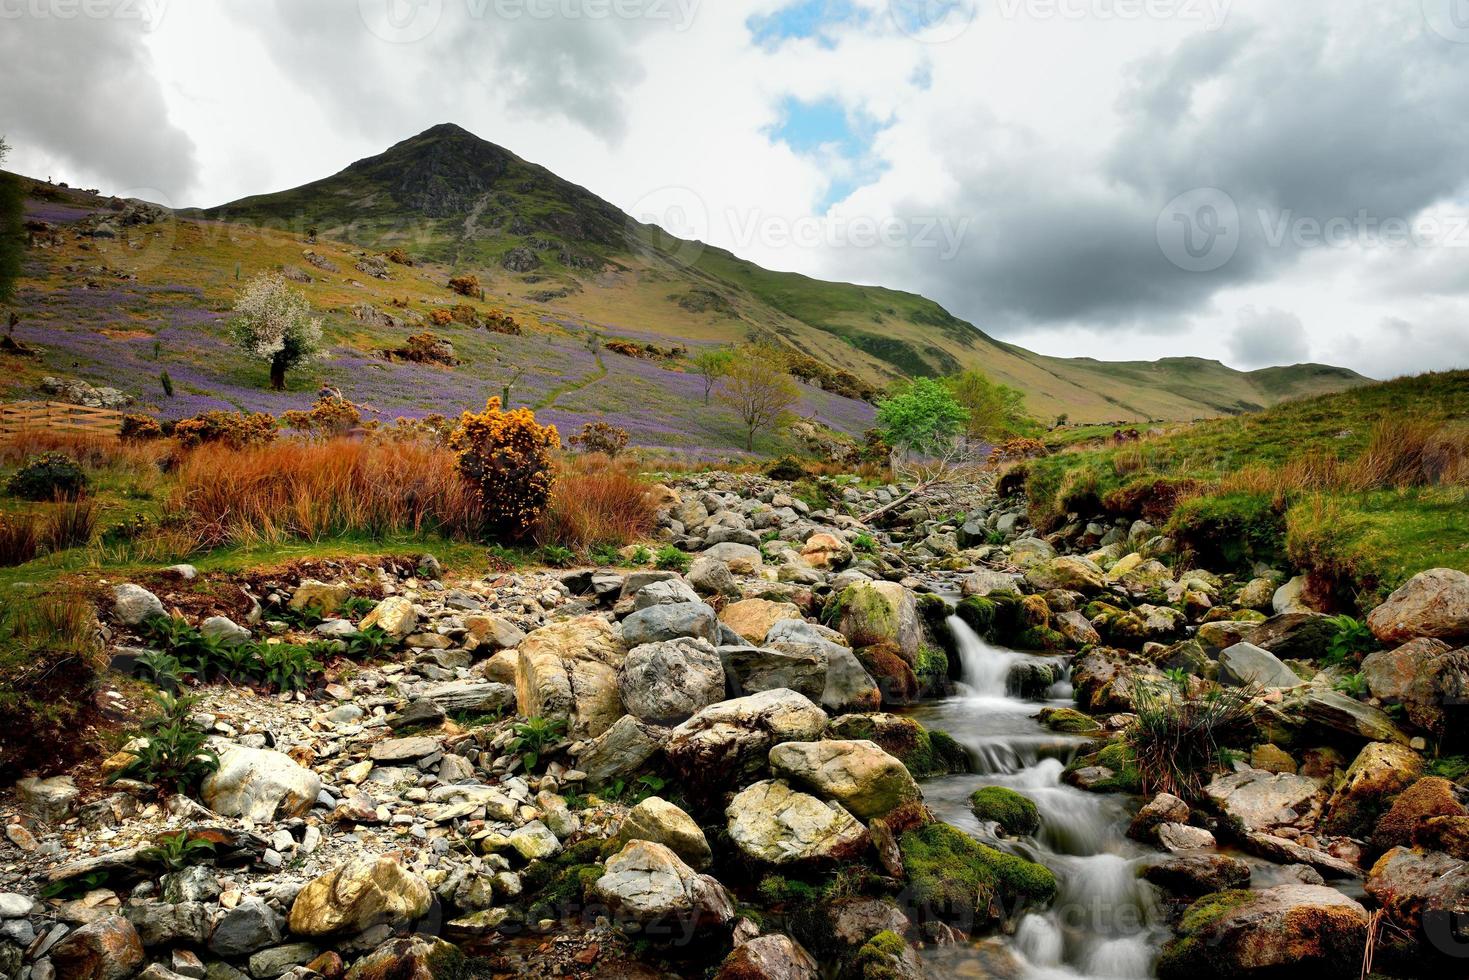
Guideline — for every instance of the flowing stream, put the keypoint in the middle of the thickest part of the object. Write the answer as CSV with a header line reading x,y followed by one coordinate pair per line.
x,y
1104,924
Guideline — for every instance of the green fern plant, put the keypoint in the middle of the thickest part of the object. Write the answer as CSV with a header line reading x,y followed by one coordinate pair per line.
x,y
172,752
1352,639
533,737
178,851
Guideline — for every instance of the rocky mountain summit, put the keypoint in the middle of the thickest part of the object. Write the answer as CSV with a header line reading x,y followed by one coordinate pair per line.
x,y
707,768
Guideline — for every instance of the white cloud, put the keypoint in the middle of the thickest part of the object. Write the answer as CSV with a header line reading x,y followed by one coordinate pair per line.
x,y
1053,141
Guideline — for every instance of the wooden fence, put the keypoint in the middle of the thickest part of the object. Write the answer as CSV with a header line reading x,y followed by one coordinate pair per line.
x,y
57,416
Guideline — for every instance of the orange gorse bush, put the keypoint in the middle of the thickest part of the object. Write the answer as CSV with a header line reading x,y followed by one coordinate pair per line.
x,y
507,456
331,415
234,429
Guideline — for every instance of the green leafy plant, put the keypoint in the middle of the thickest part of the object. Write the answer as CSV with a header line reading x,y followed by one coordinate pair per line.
x,y
163,669
534,736
557,556
1352,639
178,851
358,606
671,559
171,751
640,556
606,554
368,644
288,667
1178,677
1353,686
865,543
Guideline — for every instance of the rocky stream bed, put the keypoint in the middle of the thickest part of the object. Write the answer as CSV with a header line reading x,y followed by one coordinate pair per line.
x,y
766,765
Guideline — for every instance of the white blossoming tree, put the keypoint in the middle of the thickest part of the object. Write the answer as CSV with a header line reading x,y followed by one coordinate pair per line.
x,y
274,323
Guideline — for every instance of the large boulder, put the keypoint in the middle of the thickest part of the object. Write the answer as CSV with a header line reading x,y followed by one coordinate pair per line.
x,y
620,752
772,823
1392,675
1193,875
753,618
726,743
661,822
1434,603
671,621
857,774
646,885
133,605
986,582
755,669
260,785
106,949
711,577
1295,636
1425,894
1068,572
1268,933
848,686
568,670
742,559
410,958
1245,665
664,683
772,957
1380,772
395,616
1338,712
1437,698
870,613
1258,800
1429,797
358,895
322,598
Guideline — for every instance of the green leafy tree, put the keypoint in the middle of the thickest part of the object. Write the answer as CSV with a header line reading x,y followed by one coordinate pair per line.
x,y
759,387
996,411
273,322
12,229
712,365
921,416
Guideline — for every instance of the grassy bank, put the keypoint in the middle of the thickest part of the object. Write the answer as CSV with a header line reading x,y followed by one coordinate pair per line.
x,y
1364,488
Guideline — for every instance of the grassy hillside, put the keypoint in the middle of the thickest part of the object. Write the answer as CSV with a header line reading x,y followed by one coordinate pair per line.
x,y
1364,487
450,198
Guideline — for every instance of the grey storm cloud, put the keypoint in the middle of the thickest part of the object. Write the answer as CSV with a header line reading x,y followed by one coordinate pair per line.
x,y
1353,114
395,66
81,91
1271,336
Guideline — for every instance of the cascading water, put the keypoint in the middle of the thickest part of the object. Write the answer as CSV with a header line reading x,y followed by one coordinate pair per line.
x,y
1103,924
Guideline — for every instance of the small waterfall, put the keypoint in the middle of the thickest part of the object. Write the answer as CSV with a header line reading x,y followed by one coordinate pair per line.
x,y
1104,924
985,669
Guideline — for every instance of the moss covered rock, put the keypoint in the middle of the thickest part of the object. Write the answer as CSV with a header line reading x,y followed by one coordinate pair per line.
x,y
1016,814
926,752
953,878
1429,797
1267,933
1068,721
870,613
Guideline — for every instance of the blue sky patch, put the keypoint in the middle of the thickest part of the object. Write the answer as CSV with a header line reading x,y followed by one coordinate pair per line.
x,y
841,140
802,19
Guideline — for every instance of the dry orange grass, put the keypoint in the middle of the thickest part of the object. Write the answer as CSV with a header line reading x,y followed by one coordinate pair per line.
x,y
596,501
314,490
91,451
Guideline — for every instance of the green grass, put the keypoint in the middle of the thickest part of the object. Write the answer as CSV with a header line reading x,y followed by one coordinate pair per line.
x,y
1365,543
